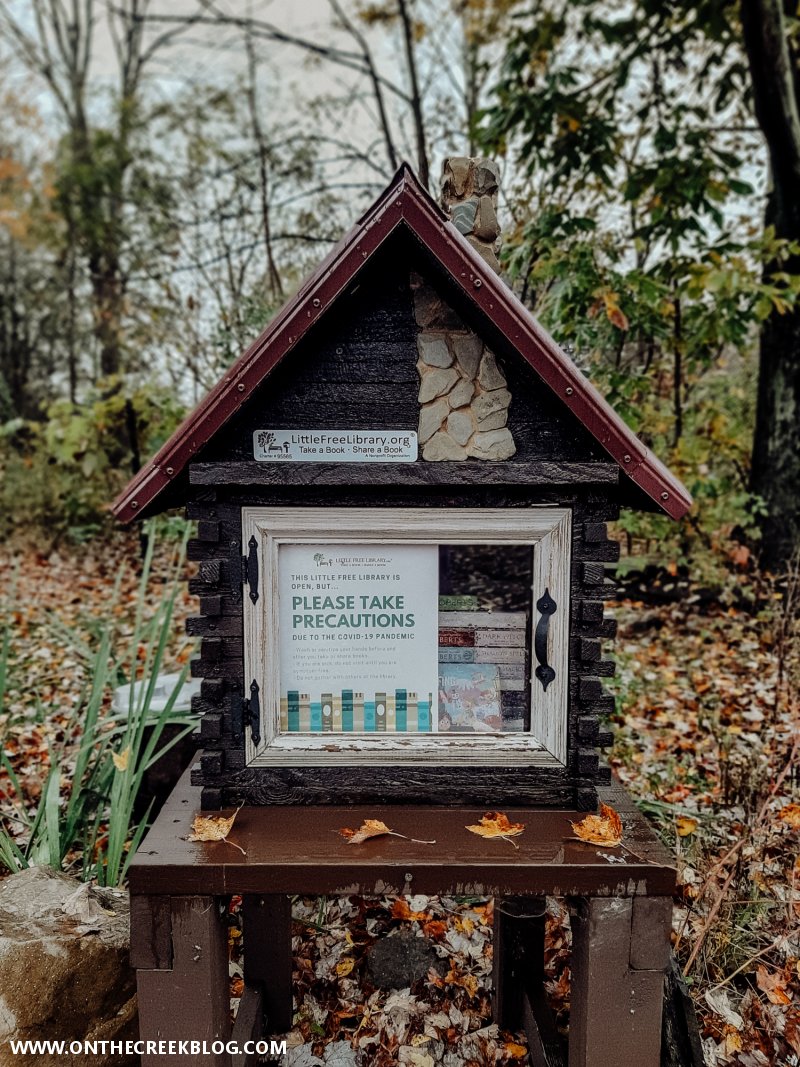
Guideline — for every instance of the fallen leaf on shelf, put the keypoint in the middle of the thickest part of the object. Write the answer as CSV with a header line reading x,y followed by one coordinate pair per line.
x,y
602,829
375,828
496,824
214,828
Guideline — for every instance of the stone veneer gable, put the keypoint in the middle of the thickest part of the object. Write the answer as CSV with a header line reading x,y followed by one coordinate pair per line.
x,y
463,393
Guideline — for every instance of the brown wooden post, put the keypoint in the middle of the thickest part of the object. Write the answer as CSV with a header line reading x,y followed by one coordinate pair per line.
x,y
518,955
183,991
268,956
620,952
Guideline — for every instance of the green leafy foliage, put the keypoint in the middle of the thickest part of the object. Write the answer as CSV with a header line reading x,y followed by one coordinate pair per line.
x,y
60,474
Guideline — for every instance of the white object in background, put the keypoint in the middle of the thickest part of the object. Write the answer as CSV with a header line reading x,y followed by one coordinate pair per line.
x,y
162,691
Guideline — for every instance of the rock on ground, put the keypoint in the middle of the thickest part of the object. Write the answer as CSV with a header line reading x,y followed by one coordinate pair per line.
x,y
64,968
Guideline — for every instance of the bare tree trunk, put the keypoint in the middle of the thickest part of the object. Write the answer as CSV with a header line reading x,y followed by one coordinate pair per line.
x,y
416,99
775,474
263,175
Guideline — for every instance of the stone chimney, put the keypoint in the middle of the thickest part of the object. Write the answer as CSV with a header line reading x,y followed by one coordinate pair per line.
x,y
463,394
469,196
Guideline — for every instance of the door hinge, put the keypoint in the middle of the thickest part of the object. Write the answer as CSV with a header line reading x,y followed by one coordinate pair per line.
x,y
251,713
250,568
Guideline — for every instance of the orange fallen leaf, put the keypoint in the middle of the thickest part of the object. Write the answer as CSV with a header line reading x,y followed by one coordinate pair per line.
x,y
401,910
685,825
515,1051
435,929
496,824
602,829
790,814
375,828
214,828
774,985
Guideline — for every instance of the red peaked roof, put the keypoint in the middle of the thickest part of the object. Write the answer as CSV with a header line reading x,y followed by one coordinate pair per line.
x,y
403,203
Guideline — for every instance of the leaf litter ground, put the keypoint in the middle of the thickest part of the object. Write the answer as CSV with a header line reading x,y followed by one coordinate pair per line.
x,y
707,744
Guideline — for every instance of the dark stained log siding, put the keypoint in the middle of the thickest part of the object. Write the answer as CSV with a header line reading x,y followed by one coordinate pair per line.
x,y
357,369
221,770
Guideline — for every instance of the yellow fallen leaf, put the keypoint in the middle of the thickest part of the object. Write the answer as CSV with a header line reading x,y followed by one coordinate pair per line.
x,y
685,825
345,966
214,828
496,824
515,1051
375,828
790,814
369,828
733,1042
121,759
466,981
602,829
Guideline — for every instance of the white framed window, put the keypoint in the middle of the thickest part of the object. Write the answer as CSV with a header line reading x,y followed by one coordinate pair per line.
x,y
391,635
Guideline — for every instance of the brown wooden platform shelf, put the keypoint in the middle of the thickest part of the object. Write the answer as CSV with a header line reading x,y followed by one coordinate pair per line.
x,y
621,918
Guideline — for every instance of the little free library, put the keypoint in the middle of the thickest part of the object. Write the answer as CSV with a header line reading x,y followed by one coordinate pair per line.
x,y
401,492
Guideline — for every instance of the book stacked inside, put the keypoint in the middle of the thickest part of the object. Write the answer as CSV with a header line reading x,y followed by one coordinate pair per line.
x,y
483,666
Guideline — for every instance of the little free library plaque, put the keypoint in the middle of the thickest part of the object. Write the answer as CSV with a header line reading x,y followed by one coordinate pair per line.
x,y
335,446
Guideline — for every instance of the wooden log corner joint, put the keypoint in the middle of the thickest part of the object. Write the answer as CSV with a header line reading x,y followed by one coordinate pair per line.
x,y
402,491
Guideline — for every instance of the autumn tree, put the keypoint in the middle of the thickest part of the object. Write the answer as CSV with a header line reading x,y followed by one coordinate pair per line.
x,y
634,237
97,177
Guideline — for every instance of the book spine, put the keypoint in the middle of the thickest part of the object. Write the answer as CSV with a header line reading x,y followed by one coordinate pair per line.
x,y
327,712
358,713
500,638
380,712
483,620
424,715
369,716
316,716
512,704
347,710
305,713
391,713
499,655
284,715
401,710
456,638
456,655
293,711
337,714
458,603
413,715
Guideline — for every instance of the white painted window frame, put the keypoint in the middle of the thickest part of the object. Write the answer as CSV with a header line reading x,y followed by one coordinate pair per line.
x,y
546,529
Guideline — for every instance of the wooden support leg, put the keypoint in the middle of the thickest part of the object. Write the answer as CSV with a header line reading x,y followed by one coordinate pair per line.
x,y
268,956
180,949
620,952
518,955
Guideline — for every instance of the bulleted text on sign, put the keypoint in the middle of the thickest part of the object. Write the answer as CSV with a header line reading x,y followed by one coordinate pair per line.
x,y
335,446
